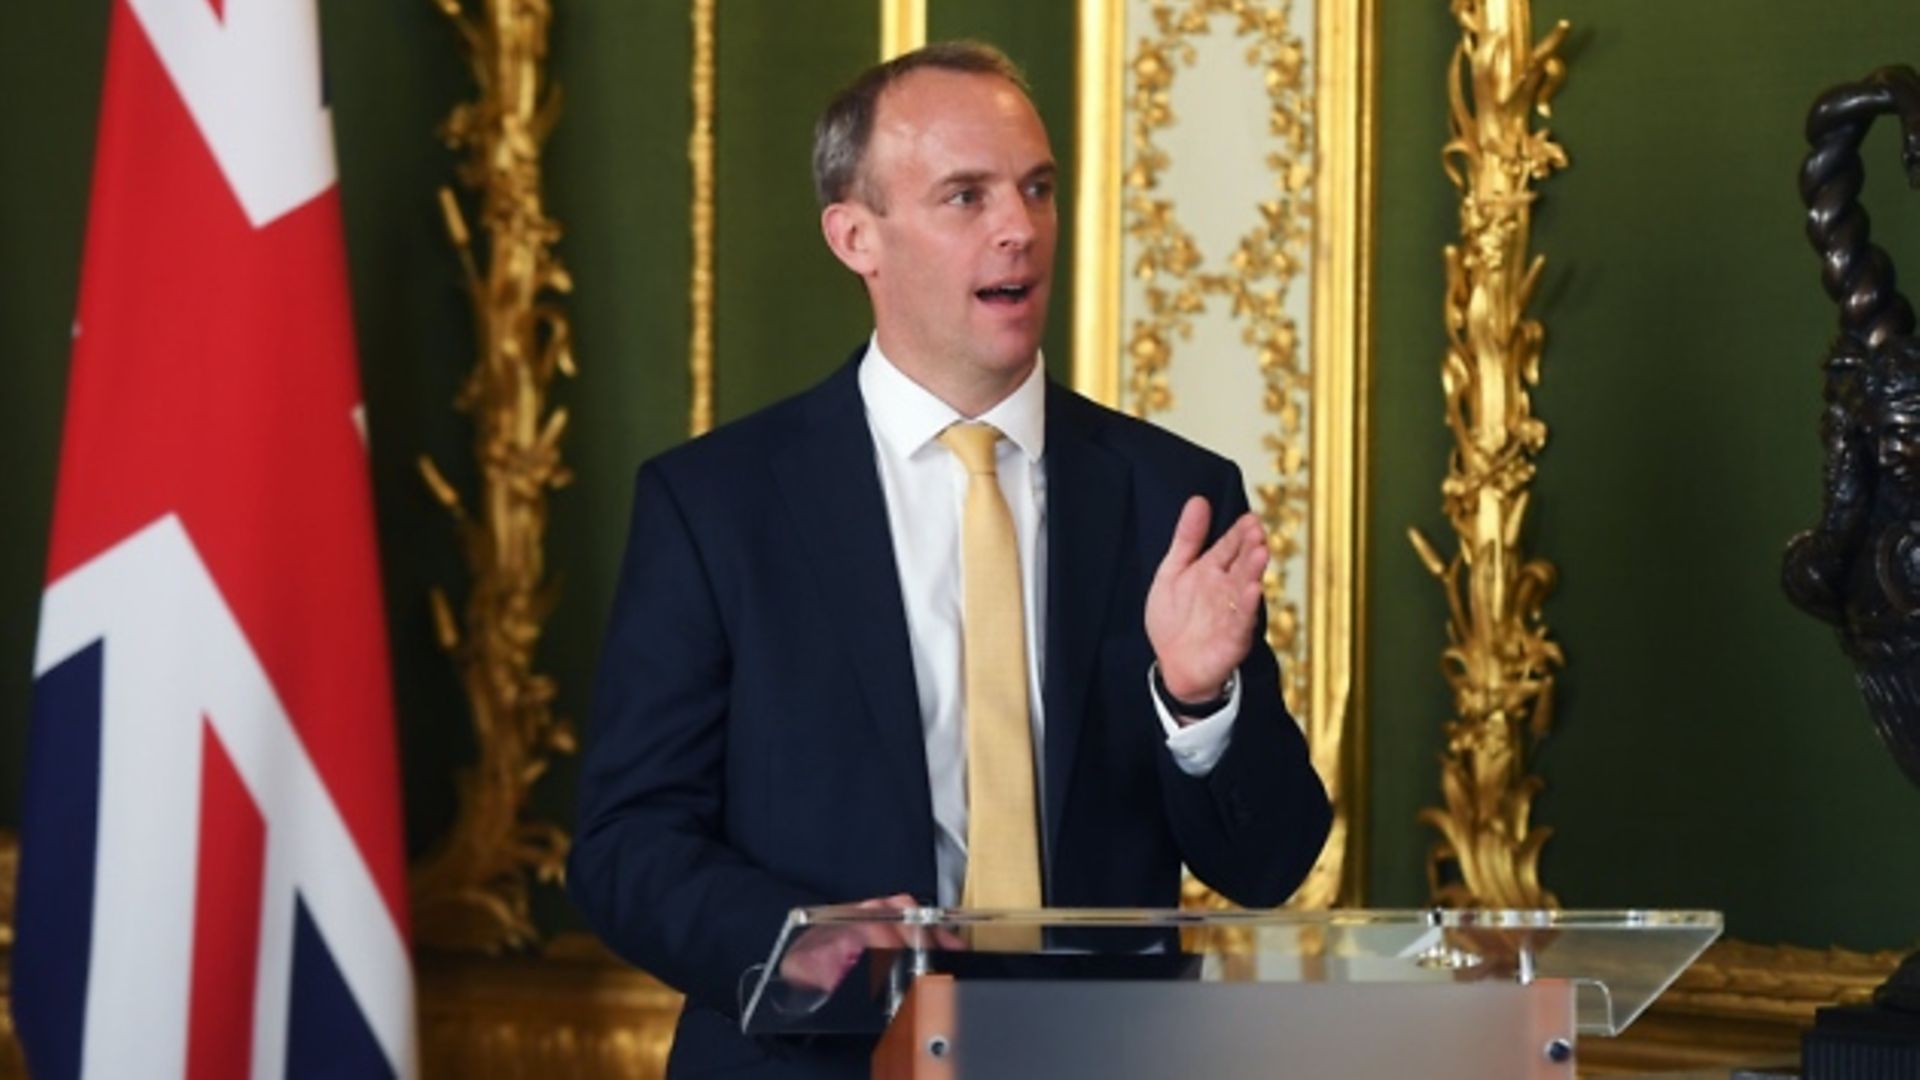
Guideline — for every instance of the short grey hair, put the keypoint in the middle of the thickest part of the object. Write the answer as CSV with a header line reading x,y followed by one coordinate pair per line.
x,y
840,137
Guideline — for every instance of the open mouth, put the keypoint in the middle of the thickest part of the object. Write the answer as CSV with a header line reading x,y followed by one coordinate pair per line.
x,y
1004,294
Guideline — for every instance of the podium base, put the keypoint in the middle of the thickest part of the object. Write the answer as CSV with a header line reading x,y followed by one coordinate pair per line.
x,y
989,1029
1862,1042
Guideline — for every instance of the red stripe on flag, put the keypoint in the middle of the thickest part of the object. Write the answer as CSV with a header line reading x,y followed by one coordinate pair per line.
x,y
214,378
226,920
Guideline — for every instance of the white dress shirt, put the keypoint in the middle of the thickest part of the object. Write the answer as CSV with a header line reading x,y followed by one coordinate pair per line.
x,y
925,489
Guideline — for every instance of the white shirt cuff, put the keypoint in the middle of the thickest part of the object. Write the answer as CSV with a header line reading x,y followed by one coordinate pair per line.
x,y
1197,747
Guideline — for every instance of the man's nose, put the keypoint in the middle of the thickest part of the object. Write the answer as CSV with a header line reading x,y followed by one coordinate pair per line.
x,y
1014,226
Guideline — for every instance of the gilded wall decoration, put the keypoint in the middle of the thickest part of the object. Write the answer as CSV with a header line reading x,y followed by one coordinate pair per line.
x,y
9,874
1499,661
1244,318
903,26
471,891
575,1010
1740,1004
700,222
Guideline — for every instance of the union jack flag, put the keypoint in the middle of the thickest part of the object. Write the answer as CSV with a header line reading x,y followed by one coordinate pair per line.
x,y
212,879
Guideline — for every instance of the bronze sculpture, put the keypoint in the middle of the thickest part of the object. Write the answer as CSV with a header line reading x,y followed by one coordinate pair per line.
x,y
1859,568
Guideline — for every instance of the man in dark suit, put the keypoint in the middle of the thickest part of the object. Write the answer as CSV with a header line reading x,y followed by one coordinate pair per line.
x,y
833,613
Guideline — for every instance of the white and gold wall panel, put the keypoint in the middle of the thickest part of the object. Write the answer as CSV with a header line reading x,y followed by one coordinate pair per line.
x,y
1223,236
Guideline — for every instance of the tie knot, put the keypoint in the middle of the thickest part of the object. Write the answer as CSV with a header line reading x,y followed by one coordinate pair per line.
x,y
972,443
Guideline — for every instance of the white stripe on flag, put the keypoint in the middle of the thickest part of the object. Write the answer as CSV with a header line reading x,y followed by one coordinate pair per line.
x,y
173,654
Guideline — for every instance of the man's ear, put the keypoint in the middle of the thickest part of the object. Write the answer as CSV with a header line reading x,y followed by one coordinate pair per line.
x,y
850,231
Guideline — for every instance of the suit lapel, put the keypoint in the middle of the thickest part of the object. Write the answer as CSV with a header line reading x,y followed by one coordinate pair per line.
x,y
832,487
1087,494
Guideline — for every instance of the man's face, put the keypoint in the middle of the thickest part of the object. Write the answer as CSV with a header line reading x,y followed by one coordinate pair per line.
x,y
963,233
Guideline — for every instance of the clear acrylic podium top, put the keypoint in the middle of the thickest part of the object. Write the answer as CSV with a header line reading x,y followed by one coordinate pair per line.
x,y
844,970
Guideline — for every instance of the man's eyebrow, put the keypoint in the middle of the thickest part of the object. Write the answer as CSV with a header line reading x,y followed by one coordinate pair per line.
x,y
969,177
964,178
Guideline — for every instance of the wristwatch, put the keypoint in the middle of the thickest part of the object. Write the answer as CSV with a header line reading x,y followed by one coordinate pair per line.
x,y
1194,710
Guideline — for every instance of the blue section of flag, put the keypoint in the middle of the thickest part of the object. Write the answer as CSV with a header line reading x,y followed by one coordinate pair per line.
x,y
53,911
327,1034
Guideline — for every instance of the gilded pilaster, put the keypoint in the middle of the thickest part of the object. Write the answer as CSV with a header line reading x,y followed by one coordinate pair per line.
x,y
471,892
700,218
903,26
1499,661
1101,79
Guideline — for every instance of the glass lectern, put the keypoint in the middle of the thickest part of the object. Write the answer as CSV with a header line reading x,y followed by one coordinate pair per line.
x,y
1113,993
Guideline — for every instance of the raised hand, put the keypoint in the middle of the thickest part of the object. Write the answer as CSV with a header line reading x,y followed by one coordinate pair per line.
x,y
1201,605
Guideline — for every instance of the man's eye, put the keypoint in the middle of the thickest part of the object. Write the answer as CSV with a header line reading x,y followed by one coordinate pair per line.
x,y
1040,190
964,197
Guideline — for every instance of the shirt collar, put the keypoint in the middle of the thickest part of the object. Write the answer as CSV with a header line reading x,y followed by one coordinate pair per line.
x,y
907,416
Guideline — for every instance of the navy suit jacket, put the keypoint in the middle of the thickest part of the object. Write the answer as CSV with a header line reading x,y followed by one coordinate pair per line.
x,y
756,745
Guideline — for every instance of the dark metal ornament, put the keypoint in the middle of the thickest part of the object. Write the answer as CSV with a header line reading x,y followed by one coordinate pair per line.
x,y
1859,568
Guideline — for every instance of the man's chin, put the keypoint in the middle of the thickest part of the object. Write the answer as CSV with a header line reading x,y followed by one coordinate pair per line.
x,y
1015,360
1007,350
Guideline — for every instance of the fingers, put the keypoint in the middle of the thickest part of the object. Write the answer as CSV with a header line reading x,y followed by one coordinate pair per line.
x,y
1251,594
887,935
1251,560
1189,533
1241,551
900,935
822,958
824,955
1227,549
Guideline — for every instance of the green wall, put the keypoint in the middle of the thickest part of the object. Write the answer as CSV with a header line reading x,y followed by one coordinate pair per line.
x,y
1710,749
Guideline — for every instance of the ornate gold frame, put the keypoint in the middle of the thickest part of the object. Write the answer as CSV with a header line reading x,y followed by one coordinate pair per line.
x,y
700,222
1343,91
903,26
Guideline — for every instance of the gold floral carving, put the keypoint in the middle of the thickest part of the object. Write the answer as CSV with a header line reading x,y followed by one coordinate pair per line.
x,y
9,874
700,217
1740,1004
575,1011
8,877
1268,257
1266,261
1778,981
1260,272
471,892
13,1060
13,1064
1499,661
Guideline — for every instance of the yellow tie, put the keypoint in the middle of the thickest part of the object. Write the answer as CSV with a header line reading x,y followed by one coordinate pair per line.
x,y
1003,833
